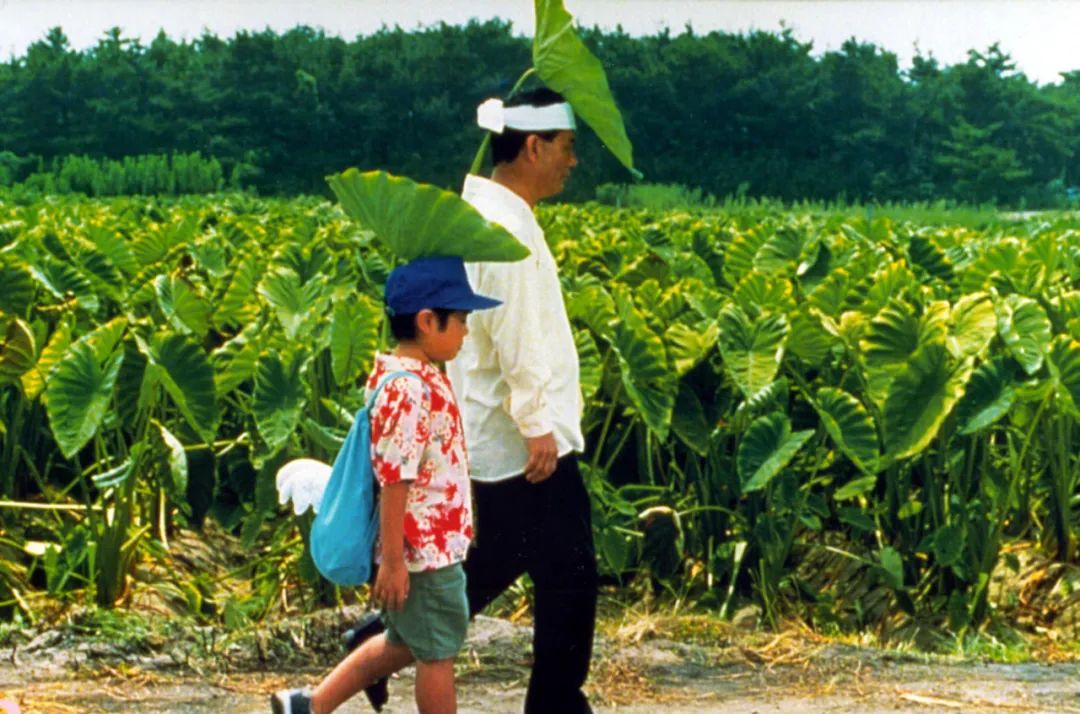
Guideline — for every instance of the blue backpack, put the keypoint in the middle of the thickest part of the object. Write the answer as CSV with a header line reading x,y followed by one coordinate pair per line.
x,y
347,524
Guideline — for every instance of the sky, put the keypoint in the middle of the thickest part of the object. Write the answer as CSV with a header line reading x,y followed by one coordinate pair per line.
x,y
1040,35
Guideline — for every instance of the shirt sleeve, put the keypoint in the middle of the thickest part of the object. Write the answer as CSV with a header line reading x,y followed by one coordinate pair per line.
x,y
400,430
514,330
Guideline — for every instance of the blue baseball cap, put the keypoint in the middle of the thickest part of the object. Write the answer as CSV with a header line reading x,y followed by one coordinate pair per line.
x,y
430,283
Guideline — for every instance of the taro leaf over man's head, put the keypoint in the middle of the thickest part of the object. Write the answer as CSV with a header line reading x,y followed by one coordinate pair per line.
x,y
567,66
415,220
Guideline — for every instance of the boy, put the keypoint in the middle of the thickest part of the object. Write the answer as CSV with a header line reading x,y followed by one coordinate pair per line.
x,y
425,511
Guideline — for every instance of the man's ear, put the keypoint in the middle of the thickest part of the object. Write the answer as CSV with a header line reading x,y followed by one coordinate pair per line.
x,y
532,147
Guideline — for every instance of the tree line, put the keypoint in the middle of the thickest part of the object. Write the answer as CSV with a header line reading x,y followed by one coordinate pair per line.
x,y
757,114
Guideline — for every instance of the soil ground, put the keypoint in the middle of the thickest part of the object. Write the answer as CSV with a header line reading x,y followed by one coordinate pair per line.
x,y
634,672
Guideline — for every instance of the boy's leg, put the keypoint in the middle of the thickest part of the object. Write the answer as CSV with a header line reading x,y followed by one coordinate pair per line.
x,y
375,659
435,692
563,569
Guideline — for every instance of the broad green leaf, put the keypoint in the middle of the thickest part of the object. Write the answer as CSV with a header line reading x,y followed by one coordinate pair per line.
x,y
741,254
591,365
354,338
643,364
809,340
688,421
850,426
926,254
17,294
414,219
855,488
1026,330
1064,361
236,306
78,395
948,544
182,305
919,400
752,350
104,338
988,397
295,304
757,291
686,346
34,380
972,325
65,282
892,567
185,372
17,349
587,301
279,397
177,461
892,338
235,361
567,66
767,447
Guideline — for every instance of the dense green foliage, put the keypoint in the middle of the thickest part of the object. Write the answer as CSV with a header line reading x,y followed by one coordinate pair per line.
x,y
756,115
761,387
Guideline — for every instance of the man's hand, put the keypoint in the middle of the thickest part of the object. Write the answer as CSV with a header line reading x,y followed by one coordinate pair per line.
x,y
392,584
543,453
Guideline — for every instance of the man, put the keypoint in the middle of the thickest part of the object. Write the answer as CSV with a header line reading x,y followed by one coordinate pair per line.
x,y
516,379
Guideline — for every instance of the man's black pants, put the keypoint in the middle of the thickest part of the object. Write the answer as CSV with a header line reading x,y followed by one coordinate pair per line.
x,y
545,530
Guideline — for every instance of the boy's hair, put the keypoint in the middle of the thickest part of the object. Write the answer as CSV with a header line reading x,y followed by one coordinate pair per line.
x,y
403,327
506,146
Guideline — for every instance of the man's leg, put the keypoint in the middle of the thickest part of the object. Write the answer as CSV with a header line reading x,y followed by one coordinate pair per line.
x,y
497,557
563,569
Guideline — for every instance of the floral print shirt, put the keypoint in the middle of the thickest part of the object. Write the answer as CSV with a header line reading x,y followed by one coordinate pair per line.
x,y
417,436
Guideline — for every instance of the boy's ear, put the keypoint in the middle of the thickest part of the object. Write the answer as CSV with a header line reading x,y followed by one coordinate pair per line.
x,y
426,321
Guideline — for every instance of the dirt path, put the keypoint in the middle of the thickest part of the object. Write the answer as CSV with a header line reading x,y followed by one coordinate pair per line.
x,y
652,675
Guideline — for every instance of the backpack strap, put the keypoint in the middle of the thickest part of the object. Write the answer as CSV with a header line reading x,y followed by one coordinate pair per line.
x,y
387,378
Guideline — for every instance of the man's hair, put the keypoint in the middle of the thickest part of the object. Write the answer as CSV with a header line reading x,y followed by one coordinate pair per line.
x,y
505,147
403,327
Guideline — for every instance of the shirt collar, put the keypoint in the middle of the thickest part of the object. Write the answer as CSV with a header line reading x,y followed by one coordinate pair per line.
x,y
395,363
478,187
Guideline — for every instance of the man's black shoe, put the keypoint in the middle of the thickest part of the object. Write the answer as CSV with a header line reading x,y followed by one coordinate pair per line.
x,y
369,626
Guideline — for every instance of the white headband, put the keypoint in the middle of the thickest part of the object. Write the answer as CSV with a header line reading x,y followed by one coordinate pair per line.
x,y
493,116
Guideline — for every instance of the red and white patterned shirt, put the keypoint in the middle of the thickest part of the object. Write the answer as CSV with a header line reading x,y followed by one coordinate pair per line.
x,y
417,436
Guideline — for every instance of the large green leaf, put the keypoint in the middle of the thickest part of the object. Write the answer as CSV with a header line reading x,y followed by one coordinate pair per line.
x,y
18,289
1064,361
415,219
988,396
591,365
808,339
649,383
33,381
78,395
767,447
236,306
279,397
295,304
972,325
235,361
752,350
919,400
850,426
17,349
176,462
354,338
567,66
689,422
687,346
182,305
1026,330
183,369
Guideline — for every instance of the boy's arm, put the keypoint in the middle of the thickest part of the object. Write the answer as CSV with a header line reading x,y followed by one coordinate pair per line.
x,y
392,582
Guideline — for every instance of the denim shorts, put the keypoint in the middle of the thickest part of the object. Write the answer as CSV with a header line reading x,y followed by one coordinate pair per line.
x,y
435,618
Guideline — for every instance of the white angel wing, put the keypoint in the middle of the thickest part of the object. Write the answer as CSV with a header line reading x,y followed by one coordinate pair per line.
x,y
302,481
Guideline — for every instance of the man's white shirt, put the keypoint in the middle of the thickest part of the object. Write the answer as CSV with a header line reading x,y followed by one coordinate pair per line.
x,y
516,376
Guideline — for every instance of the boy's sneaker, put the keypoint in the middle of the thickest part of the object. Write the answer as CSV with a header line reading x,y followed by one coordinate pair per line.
x,y
291,701
369,626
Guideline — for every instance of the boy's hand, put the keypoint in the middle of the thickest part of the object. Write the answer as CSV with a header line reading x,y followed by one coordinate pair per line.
x,y
392,584
543,455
